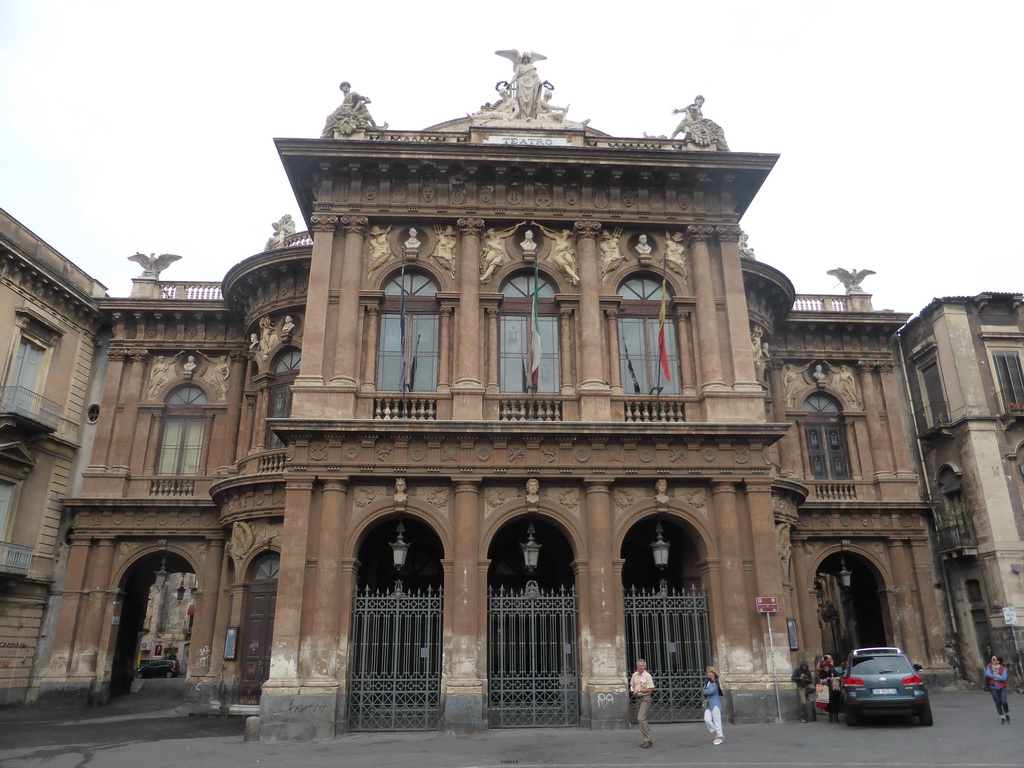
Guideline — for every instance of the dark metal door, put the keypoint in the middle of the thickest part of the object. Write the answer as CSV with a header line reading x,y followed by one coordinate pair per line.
x,y
533,675
669,630
257,637
396,661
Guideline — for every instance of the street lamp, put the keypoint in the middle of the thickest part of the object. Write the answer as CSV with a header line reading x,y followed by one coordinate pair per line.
x,y
844,573
180,591
399,548
659,548
531,550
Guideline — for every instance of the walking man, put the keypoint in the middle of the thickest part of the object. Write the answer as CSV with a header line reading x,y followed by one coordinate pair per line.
x,y
641,685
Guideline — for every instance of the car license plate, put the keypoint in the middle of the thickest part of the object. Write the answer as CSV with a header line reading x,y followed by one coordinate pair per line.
x,y
883,691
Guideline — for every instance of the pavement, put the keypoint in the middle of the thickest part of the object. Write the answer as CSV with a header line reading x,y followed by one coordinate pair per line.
x,y
147,729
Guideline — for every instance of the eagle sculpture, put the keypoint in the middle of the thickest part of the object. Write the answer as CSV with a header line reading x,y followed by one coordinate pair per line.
x,y
851,279
153,265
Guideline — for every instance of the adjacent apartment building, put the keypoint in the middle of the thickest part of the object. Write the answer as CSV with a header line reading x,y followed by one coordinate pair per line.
x,y
51,332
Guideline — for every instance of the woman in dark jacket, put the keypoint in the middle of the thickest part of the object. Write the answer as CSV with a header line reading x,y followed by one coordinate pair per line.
x,y
830,677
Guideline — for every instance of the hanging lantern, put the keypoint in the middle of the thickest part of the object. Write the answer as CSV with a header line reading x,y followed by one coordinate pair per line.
x,y
399,549
659,548
180,591
844,574
531,550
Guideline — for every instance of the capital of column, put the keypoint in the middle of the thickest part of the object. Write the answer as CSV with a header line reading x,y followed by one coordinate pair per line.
x,y
323,222
470,226
729,233
238,356
467,486
565,313
355,224
117,354
866,366
587,229
698,233
724,486
885,367
138,355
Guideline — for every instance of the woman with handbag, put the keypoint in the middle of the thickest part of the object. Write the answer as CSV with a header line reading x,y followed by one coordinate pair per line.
x,y
996,678
712,704
830,678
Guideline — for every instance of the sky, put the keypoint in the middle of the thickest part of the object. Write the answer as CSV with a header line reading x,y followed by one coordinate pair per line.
x,y
149,126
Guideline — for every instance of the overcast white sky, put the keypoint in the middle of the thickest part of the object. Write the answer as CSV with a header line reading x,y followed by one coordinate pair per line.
x,y
147,126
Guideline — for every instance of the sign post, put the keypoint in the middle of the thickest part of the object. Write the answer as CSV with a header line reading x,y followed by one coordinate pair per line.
x,y
768,606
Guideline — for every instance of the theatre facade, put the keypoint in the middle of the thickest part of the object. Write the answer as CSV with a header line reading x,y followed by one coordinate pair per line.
x,y
518,408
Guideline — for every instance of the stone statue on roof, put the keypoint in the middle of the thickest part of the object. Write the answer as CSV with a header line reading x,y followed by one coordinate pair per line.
x,y
350,117
525,85
698,130
851,279
153,265
525,100
283,228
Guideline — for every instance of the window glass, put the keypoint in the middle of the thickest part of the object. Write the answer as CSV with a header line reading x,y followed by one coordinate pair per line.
x,y
6,495
825,434
408,344
641,369
1011,379
27,364
516,335
936,403
182,443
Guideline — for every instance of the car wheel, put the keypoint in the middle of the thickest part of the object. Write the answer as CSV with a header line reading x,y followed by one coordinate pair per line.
x,y
925,718
852,718
170,673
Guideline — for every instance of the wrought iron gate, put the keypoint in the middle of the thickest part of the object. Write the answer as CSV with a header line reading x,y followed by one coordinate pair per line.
x,y
533,676
670,631
396,661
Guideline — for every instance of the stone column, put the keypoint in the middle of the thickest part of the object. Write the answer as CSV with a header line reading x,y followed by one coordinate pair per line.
x,y
593,389
133,386
601,643
807,603
734,639
201,654
686,372
347,330
444,381
156,429
466,655
707,313
60,680
929,610
493,345
89,659
236,399
881,457
790,460
280,721
111,395
259,434
566,370
329,596
891,398
736,310
317,301
905,617
467,400
370,361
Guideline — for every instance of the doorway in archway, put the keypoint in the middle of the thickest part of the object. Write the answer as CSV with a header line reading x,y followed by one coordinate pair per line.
x,y
258,626
849,616
666,612
532,664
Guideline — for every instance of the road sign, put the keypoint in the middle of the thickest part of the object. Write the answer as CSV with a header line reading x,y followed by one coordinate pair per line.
x,y
1009,615
767,604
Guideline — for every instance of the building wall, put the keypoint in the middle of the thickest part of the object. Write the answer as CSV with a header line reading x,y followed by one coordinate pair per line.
x,y
50,303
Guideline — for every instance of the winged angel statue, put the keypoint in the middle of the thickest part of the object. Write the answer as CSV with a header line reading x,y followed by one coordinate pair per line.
x,y
526,85
851,279
153,265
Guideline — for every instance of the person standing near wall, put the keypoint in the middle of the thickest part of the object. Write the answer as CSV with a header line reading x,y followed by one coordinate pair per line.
x,y
713,705
805,691
641,685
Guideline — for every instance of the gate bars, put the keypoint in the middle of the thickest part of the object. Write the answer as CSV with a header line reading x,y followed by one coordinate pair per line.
x,y
396,661
670,631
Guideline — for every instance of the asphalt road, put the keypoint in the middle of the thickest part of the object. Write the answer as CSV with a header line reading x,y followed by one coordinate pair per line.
x,y
144,730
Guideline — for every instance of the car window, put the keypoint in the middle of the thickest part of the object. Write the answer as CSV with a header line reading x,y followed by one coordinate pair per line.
x,y
880,665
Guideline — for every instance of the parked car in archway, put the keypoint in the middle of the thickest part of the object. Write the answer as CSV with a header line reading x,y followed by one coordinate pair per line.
x,y
160,668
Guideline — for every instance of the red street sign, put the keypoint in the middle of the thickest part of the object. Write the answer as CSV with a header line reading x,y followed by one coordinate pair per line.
x,y
767,604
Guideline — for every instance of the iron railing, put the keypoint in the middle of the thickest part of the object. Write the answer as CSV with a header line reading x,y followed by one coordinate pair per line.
x,y
22,401
14,558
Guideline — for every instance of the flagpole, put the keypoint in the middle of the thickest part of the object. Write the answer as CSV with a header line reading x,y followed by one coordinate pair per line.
x,y
401,324
661,331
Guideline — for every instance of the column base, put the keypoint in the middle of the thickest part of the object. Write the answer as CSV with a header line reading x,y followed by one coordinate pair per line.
x,y
300,717
605,711
463,714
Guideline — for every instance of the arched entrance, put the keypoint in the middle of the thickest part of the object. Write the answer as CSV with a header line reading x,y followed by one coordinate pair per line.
x,y
850,611
258,628
395,678
666,611
154,622
532,664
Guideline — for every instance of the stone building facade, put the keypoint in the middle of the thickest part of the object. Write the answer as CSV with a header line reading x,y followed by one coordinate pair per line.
x,y
48,306
963,357
426,460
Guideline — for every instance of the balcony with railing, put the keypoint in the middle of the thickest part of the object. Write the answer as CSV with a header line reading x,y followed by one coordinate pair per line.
x,y
932,420
954,532
191,291
644,410
1011,405
407,406
14,559
29,407
530,409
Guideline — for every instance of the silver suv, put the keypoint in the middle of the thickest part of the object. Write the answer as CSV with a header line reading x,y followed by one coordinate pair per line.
x,y
883,681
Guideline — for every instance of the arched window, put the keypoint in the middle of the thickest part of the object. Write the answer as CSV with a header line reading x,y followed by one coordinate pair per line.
x,y
267,568
826,439
644,368
408,344
516,345
182,443
286,368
